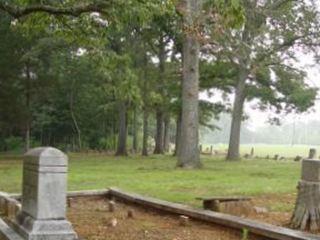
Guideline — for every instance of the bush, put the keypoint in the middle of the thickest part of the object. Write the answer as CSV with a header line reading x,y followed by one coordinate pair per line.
x,y
14,143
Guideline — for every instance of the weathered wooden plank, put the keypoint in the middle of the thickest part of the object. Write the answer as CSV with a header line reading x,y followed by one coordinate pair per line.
x,y
7,233
89,193
225,199
262,229
74,194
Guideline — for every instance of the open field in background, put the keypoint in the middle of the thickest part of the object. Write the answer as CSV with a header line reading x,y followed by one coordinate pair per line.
x,y
156,176
262,150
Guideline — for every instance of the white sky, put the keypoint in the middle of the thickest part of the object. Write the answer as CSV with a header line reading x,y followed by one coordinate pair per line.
x,y
259,118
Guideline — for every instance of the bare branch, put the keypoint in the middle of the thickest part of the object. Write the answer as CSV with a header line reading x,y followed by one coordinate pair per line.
x,y
287,44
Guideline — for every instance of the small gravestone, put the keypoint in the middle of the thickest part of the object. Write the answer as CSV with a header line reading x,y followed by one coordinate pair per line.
x,y
276,157
2,205
130,213
312,153
183,220
252,152
297,158
11,208
306,214
211,150
69,202
43,213
113,222
112,206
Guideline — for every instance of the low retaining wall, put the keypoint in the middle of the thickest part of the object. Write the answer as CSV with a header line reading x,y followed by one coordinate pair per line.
x,y
260,229
6,233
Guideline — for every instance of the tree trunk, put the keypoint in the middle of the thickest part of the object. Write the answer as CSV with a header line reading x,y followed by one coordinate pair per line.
x,y
159,133
189,152
28,118
135,132
178,135
122,137
234,141
145,107
27,137
75,122
166,143
159,148
145,133
114,131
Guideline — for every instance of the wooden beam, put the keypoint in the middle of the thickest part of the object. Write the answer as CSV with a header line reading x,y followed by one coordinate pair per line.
x,y
261,229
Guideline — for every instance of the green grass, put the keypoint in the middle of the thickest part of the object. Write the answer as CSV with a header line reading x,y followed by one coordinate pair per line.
x,y
156,176
262,150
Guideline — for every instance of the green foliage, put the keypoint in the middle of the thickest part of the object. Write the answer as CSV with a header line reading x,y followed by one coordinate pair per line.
x,y
13,143
231,12
81,67
265,48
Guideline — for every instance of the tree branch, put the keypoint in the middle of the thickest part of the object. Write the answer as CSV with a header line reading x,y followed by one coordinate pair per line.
x,y
278,4
77,10
287,44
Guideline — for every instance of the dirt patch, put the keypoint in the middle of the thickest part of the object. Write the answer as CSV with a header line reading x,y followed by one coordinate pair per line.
x,y
93,221
279,209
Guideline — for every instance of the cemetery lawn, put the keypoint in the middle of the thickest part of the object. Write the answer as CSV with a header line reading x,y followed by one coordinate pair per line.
x,y
156,176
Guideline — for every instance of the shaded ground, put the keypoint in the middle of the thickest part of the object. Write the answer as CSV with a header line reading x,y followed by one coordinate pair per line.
x,y
279,208
92,221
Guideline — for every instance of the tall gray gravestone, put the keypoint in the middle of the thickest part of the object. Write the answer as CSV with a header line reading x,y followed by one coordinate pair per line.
x,y
43,213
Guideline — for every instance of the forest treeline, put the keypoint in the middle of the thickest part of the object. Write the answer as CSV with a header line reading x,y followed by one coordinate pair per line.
x,y
126,75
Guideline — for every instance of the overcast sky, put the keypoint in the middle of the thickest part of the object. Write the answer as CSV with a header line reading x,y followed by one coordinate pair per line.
x,y
258,118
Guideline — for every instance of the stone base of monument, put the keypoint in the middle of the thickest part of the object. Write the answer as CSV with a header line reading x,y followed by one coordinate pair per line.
x,y
32,229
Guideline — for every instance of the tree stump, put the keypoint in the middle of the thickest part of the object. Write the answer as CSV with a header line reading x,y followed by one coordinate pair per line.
x,y
307,210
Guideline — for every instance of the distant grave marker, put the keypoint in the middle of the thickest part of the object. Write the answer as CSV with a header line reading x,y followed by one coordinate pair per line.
x,y
252,152
312,153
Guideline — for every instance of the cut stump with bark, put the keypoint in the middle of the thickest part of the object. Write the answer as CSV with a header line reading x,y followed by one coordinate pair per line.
x,y
307,210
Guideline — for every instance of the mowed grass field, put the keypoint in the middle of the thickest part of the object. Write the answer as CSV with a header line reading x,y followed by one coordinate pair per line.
x,y
262,150
157,176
